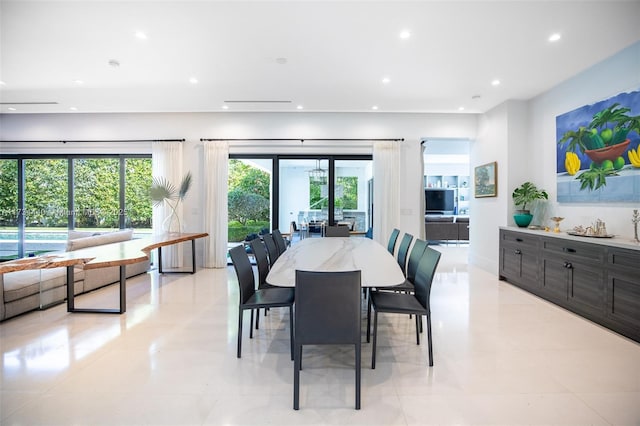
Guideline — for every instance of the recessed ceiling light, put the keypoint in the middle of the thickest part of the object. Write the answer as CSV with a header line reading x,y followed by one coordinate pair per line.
x,y
11,109
375,107
225,106
386,80
405,34
193,80
495,82
73,108
299,107
2,83
78,82
141,35
461,108
554,37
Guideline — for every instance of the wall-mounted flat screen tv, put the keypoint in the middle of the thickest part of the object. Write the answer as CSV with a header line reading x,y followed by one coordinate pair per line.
x,y
439,200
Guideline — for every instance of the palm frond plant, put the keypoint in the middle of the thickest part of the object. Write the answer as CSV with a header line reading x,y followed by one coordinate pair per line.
x,y
164,192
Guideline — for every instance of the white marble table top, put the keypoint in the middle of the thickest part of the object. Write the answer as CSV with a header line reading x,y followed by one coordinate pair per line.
x,y
379,268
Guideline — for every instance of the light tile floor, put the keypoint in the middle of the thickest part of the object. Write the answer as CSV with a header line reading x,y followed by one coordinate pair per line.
x,y
502,357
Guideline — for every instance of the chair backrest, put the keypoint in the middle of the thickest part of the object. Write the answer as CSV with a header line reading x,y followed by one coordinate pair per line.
x,y
279,239
244,271
272,249
369,233
424,275
327,307
262,262
336,231
414,258
403,251
392,240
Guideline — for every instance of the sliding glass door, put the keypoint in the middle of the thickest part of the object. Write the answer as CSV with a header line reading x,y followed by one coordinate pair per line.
x,y
352,199
43,197
249,198
290,192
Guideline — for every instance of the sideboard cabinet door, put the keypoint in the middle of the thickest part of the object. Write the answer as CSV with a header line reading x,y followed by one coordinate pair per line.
x,y
519,260
574,276
623,292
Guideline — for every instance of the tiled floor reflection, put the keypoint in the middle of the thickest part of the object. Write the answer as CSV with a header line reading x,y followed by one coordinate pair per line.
x,y
502,357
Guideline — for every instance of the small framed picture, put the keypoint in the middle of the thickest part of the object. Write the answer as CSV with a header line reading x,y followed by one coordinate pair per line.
x,y
485,180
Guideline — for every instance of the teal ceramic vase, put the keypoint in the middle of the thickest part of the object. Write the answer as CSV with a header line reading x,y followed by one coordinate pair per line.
x,y
522,219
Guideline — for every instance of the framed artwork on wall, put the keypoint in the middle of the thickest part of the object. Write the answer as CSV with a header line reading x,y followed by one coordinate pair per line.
x,y
597,151
485,178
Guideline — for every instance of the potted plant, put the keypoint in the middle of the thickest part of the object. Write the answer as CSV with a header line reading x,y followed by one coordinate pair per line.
x,y
523,195
164,192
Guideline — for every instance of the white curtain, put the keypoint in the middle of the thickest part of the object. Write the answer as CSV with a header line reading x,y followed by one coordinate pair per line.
x,y
423,207
386,189
167,163
216,174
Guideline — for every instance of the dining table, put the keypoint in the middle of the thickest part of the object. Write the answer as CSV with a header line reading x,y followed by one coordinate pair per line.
x,y
337,254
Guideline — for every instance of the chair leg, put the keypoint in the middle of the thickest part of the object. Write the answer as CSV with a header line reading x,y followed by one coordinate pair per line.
x,y
258,317
250,327
240,332
420,322
296,377
369,316
417,329
375,336
291,330
358,373
428,316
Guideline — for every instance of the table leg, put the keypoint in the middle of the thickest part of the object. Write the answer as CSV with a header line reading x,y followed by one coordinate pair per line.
x,y
193,261
70,288
123,295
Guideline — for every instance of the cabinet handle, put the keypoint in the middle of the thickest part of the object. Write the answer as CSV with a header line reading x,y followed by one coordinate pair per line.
x,y
568,265
518,251
519,240
568,250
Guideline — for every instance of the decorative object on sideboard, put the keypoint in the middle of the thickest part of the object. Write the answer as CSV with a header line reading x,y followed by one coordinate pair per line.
x,y
597,229
557,220
525,194
163,192
635,219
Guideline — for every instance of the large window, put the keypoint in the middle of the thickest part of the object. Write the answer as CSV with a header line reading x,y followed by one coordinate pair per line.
x,y
42,198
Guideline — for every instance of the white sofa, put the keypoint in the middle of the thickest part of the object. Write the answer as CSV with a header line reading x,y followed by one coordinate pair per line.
x,y
23,291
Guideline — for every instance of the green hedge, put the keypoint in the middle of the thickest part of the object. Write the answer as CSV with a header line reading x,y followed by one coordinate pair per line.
x,y
238,232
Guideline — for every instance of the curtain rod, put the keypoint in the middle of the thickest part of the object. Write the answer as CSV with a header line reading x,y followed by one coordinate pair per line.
x,y
101,140
304,140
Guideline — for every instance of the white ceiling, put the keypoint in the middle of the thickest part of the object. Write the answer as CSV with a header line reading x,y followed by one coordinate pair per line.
x,y
336,53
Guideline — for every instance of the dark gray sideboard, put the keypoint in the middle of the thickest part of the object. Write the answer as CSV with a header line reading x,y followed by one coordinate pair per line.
x,y
596,278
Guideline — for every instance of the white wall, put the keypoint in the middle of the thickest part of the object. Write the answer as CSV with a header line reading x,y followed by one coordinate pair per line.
x,y
519,135
620,73
193,126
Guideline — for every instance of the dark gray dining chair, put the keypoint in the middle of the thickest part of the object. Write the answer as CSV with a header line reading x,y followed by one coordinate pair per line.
x,y
252,299
327,313
336,231
401,303
403,251
417,251
272,249
391,245
262,264
281,243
